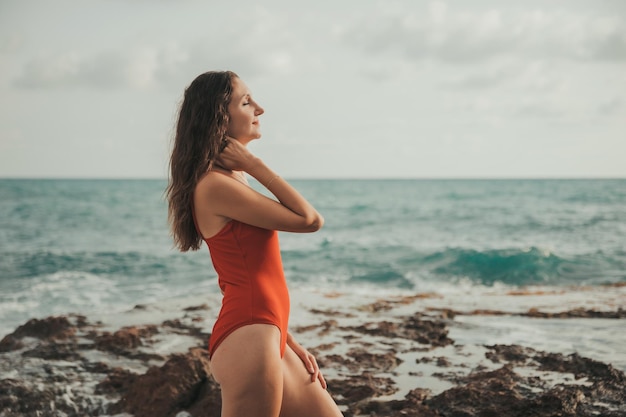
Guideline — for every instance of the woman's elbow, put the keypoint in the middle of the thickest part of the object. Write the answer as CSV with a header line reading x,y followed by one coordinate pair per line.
x,y
314,223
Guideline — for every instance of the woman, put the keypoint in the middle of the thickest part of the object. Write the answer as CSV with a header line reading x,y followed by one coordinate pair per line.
x,y
261,369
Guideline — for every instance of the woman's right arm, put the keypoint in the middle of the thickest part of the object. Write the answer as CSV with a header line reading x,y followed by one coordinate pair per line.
x,y
232,199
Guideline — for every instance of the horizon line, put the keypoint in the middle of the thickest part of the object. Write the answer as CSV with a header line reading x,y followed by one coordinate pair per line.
x,y
337,178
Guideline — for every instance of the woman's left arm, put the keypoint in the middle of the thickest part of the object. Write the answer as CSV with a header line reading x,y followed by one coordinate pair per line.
x,y
309,361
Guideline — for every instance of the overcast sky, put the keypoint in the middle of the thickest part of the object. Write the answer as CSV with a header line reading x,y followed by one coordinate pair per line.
x,y
427,89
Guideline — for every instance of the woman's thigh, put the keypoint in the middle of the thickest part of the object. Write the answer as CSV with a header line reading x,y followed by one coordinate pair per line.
x,y
248,367
301,397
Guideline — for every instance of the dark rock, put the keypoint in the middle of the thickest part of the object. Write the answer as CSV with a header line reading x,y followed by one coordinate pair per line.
x,y
51,328
392,409
10,343
331,313
579,366
125,339
326,326
325,346
357,388
182,383
424,331
559,401
411,406
509,353
117,381
384,362
51,351
16,399
380,305
486,394
20,400
197,308
186,329
620,313
504,393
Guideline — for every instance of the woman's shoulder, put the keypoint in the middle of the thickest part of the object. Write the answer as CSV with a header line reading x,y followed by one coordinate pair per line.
x,y
217,180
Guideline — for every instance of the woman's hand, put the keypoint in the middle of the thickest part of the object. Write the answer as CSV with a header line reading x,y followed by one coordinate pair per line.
x,y
236,156
309,361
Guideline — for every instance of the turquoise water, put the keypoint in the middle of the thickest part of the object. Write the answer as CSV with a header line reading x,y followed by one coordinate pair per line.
x,y
85,245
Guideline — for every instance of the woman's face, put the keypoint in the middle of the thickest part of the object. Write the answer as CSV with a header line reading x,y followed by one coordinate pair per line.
x,y
244,114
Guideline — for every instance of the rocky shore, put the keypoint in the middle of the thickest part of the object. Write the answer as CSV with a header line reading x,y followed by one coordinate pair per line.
x,y
385,357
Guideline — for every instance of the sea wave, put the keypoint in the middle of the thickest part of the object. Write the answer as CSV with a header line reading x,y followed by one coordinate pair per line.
x,y
404,267
131,264
526,266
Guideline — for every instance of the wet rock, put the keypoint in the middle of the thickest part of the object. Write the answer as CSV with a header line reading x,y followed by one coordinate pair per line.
x,y
411,406
388,304
9,343
197,308
325,327
126,341
186,329
383,362
330,313
581,367
127,338
485,394
620,313
51,328
561,401
325,346
183,383
509,353
51,351
380,305
577,313
67,383
356,388
117,381
504,393
18,399
608,385
381,328
428,332
443,362
396,408
417,328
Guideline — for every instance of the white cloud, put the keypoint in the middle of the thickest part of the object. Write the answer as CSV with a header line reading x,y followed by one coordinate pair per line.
x,y
439,83
611,106
455,35
260,44
72,69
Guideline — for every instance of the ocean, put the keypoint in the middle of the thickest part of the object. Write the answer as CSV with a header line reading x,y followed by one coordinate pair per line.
x,y
93,246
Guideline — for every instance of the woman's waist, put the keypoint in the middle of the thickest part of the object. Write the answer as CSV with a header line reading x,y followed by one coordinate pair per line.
x,y
255,289
273,302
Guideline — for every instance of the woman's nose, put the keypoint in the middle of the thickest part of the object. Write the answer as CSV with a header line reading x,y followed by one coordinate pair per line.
x,y
259,110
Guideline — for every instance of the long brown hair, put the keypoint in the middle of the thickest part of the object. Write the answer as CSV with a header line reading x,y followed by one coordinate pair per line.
x,y
200,134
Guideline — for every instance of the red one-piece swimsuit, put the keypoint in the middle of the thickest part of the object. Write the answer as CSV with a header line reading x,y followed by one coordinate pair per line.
x,y
250,274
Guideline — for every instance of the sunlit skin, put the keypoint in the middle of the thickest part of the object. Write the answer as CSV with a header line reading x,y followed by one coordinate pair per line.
x,y
244,114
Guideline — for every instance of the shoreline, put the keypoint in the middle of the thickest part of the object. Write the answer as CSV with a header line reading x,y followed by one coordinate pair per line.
x,y
393,353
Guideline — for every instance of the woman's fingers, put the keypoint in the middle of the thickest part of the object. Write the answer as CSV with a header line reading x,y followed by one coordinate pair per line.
x,y
317,374
322,380
314,370
311,365
235,156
